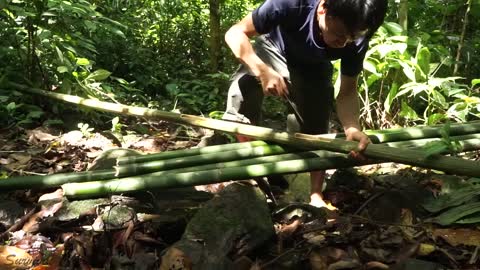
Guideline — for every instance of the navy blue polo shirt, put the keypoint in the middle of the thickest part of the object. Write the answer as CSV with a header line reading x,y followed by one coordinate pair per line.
x,y
292,26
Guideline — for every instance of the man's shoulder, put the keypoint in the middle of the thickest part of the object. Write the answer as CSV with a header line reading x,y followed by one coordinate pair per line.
x,y
292,4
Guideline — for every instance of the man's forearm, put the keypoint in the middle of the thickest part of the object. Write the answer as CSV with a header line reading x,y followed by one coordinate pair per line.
x,y
238,39
348,108
348,111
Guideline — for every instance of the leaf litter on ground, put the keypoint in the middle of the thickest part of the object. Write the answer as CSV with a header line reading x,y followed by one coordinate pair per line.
x,y
356,237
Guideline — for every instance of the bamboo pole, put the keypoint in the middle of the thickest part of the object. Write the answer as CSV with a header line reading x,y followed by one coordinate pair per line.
x,y
182,162
146,182
413,133
452,165
467,142
189,152
54,180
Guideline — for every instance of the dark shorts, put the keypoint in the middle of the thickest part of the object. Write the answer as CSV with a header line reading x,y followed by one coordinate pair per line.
x,y
310,88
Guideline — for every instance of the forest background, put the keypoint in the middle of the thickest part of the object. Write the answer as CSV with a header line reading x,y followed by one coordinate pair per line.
x,y
422,67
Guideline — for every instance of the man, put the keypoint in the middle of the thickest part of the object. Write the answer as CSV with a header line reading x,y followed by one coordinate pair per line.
x,y
291,57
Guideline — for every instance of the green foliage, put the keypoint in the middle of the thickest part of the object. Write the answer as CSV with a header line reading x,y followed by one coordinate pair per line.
x,y
446,144
116,125
53,45
197,96
85,129
156,54
14,110
166,54
400,83
459,204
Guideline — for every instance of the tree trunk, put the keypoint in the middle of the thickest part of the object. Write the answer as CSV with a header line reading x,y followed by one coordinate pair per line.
x,y
462,38
403,14
215,35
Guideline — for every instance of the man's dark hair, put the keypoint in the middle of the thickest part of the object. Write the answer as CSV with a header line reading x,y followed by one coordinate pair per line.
x,y
358,15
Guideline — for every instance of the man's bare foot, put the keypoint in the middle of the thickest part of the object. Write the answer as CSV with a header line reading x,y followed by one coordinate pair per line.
x,y
317,201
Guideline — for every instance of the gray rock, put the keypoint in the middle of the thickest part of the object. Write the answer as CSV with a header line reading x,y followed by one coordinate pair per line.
x,y
10,212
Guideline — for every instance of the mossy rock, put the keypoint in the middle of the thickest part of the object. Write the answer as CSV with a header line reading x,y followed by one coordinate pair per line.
x,y
73,210
229,226
118,216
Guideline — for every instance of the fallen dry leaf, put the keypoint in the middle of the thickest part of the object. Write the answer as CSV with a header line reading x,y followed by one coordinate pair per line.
x,y
98,225
175,259
317,239
21,158
287,230
56,195
318,261
39,135
322,258
376,265
425,249
51,203
457,237
14,258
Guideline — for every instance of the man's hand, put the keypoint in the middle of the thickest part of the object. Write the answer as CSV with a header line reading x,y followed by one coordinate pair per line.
x,y
238,39
354,134
272,82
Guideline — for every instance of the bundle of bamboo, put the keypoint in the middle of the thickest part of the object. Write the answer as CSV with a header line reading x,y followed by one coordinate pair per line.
x,y
246,160
203,166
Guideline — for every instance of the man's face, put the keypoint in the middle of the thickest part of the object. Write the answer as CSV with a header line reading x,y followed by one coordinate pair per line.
x,y
334,32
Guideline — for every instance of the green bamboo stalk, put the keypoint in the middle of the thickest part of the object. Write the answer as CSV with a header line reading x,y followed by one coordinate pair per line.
x,y
54,180
468,142
234,170
451,165
237,170
189,152
413,133
168,164
148,182
252,161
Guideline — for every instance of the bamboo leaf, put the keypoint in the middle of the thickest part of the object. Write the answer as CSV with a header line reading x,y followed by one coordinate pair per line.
x,y
470,219
59,54
408,70
99,75
390,97
62,69
475,82
394,28
407,111
435,148
436,118
423,60
370,66
454,198
439,98
456,213
83,62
